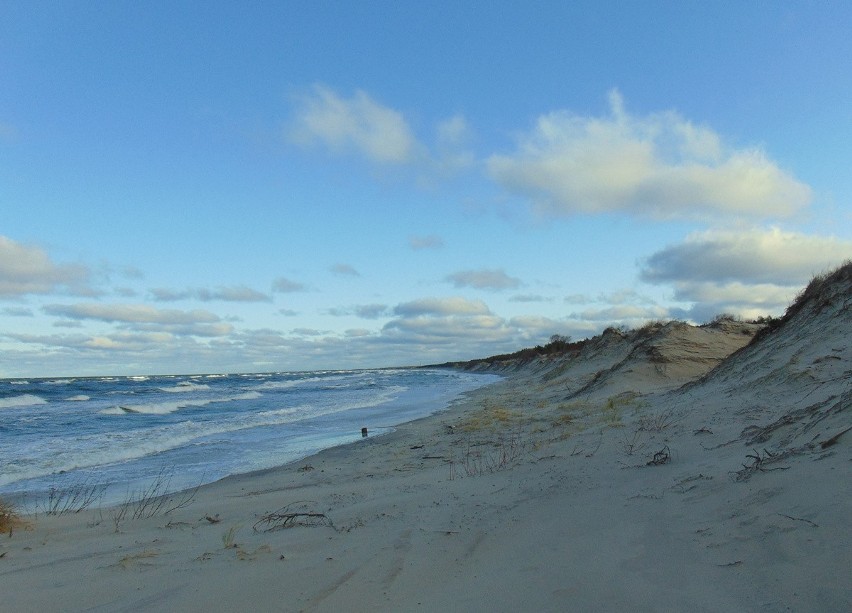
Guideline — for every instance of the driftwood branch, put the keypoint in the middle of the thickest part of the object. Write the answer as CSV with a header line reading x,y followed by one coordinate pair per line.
x,y
663,456
290,516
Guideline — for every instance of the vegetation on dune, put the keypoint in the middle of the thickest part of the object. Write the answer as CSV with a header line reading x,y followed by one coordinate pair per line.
x,y
9,518
817,289
560,345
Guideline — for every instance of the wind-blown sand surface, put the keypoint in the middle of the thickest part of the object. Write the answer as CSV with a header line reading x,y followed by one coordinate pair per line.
x,y
673,468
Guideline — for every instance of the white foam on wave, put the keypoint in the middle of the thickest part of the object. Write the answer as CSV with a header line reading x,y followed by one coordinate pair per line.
x,y
78,398
336,382
164,408
185,386
90,451
170,437
25,400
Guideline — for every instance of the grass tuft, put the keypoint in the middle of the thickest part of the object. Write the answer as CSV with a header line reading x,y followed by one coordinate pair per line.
x,y
9,518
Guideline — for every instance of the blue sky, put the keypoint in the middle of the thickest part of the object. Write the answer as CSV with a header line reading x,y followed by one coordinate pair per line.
x,y
224,187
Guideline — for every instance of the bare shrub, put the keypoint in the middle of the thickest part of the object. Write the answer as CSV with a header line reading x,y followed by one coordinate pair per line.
x,y
634,443
657,422
74,497
153,500
490,457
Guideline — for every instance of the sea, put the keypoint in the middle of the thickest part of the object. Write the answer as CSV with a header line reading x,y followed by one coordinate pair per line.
x,y
118,435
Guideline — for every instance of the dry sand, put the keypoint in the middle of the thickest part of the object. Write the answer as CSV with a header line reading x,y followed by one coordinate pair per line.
x,y
595,481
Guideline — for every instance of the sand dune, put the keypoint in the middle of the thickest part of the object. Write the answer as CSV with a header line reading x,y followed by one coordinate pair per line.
x,y
668,469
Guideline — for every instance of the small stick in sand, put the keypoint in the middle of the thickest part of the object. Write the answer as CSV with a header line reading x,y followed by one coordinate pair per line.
x,y
833,440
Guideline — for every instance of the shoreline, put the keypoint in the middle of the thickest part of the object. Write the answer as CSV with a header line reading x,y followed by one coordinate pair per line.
x,y
182,441
571,484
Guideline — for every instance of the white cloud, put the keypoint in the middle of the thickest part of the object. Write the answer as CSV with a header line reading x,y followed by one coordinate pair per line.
x,y
237,293
362,126
357,124
484,279
530,298
659,166
536,328
130,313
442,307
622,313
746,272
28,269
453,329
752,256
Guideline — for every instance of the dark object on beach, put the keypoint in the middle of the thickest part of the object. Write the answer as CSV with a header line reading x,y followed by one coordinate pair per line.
x,y
833,440
292,515
363,431
661,457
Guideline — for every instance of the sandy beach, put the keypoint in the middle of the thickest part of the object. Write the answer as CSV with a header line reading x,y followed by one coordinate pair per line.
x,y
670,468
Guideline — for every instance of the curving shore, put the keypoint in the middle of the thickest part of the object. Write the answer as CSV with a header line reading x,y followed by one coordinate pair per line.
x,y
668,469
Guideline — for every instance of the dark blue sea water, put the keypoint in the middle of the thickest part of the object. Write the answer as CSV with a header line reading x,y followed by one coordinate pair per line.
x,y
122,432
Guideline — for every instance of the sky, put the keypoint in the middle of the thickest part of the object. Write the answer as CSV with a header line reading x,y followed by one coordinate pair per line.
x,y
215,186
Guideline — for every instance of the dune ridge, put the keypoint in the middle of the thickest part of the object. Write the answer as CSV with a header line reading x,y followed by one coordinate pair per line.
x,y
669,468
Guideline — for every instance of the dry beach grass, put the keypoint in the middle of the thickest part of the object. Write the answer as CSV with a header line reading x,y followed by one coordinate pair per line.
x,y
667,469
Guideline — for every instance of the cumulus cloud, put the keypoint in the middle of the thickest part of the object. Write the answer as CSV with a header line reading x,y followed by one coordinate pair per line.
x,y
129,313
658,166
429,329
287,286
747,272
143,317
753,255
442,307
362,126
425,242
345,270
238,293
484,279
358,124
26,269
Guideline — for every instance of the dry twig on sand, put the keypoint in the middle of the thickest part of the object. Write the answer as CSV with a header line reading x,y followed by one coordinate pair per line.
x,y
833,440
290,516
758,462
663,456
